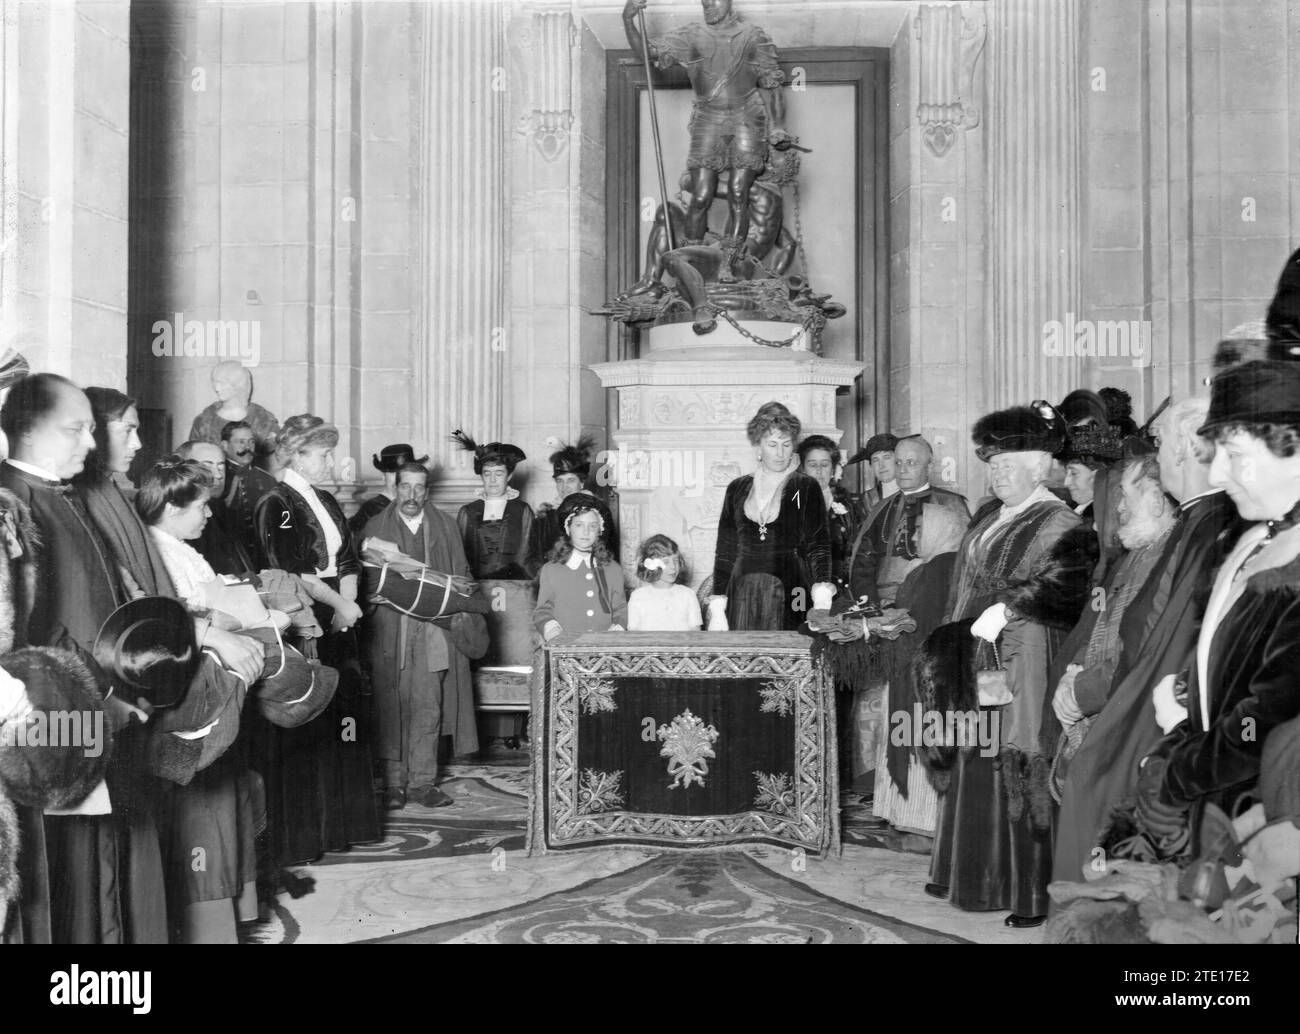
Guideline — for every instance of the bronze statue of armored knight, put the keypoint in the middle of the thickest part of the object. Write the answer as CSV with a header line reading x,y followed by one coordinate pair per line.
x,y
740,153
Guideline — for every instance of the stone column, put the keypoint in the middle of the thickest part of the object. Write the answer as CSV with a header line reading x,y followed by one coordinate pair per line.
x,y
461,334
1034,230
63,256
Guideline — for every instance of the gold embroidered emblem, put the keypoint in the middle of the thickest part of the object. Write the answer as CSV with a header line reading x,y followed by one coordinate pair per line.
x,y
688,744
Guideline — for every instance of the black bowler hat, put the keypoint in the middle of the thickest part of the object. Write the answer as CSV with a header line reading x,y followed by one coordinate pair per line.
x,y
884,442
391,458
148,645
1263,391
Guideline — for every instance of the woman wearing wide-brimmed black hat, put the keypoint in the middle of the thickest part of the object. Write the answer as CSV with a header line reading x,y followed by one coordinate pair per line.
x,y
497,527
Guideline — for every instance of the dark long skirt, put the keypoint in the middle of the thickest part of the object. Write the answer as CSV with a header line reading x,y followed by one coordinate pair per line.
x,y
209,842
345,773
319,781
988,860
96,879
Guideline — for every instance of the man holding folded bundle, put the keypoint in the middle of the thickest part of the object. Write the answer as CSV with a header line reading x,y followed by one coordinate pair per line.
x,y
419,664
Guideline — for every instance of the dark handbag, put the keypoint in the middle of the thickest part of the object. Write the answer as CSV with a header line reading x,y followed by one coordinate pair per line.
x,y
992,683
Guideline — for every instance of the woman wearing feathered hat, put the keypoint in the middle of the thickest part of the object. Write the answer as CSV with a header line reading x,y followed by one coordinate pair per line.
x,y
1018,586
1091,447
570,467
497,527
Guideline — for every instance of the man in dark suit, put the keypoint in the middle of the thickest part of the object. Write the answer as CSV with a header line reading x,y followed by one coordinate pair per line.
x,y
245,485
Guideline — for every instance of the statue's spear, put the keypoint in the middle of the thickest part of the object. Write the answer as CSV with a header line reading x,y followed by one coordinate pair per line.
x,y
654,130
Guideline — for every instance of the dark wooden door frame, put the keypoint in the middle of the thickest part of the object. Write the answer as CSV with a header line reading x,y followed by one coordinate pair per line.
x,y
864,68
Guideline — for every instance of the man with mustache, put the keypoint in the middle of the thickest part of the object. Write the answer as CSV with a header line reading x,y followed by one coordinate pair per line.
x,y
420,669
245,485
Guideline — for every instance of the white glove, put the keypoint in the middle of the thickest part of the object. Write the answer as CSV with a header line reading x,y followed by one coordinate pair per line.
x,y
1064,702
551,629
1169,712
822,593
718,615
990,624
14,705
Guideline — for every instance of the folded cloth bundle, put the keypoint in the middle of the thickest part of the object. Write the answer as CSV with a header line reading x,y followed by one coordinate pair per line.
x,y
292,690
892,623
286,592
393,579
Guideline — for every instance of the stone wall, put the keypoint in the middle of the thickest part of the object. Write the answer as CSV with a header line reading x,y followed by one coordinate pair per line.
x,y
63,253
1192,192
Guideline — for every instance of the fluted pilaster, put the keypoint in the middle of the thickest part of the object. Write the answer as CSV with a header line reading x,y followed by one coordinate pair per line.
x,y
1034,188
460,365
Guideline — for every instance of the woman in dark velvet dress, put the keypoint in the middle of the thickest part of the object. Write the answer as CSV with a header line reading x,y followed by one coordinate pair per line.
x,y
320,796
819,458
497,527
773,546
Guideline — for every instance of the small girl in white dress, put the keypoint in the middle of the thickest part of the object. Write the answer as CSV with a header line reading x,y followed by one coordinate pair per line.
x,y
660,604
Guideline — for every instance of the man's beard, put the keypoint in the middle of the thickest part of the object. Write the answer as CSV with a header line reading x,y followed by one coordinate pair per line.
x,y
716,17
1144,530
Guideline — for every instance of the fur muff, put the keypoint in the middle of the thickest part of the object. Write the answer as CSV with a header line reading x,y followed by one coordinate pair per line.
x,y
1027,782
1056,590
944,671
54,776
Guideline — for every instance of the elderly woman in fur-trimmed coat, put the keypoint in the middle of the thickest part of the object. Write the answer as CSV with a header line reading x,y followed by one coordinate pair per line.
x,y
1019,584
36,681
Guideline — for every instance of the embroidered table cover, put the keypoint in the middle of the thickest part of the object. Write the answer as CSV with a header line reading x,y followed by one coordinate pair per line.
x,y
684,740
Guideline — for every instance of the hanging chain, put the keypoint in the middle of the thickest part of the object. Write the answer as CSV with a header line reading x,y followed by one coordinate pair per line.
x,y
786,343
798,233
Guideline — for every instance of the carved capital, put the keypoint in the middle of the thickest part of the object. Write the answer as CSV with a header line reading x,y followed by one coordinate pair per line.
x,y
950,42
550,37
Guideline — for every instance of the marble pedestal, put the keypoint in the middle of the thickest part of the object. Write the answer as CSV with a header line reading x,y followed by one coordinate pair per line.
x,y
681,439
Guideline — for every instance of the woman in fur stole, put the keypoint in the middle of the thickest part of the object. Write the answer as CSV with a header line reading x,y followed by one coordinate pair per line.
x,y
1019,584
34,682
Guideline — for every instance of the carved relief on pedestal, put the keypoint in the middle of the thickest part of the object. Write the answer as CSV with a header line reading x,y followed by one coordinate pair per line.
x,y
629,407
824,407
951,39
629,534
